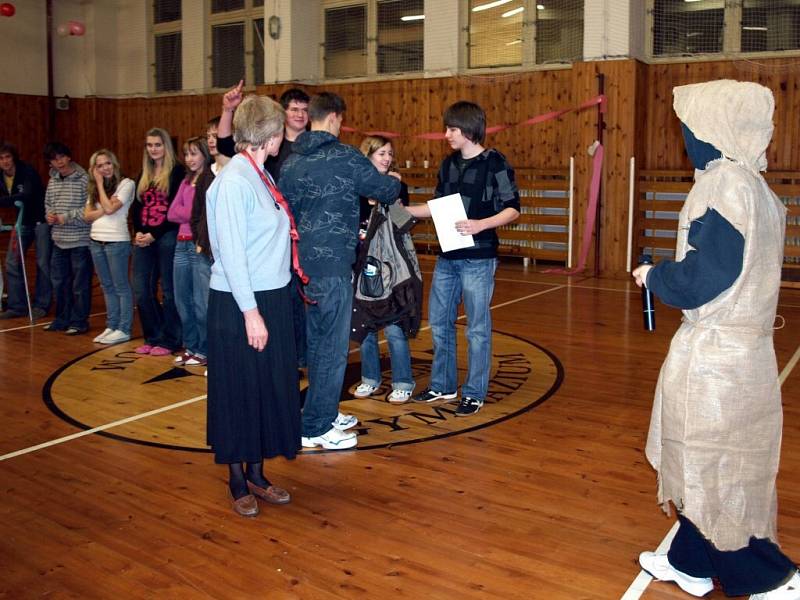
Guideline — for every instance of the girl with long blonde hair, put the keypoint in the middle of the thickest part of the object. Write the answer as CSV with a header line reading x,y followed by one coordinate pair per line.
x,y
154,245
109,198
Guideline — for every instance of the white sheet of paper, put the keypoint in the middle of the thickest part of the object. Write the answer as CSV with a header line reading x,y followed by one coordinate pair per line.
x,y
446,211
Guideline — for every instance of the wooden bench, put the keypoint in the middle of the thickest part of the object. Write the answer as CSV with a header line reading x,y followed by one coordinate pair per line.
x,y
540,233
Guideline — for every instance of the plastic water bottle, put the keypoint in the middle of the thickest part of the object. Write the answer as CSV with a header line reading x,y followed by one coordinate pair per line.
x,y
648,306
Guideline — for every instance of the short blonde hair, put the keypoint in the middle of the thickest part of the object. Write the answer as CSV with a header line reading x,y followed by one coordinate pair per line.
x,y
257,119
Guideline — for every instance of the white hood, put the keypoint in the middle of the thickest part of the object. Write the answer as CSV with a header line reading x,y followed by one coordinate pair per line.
x,y
734,116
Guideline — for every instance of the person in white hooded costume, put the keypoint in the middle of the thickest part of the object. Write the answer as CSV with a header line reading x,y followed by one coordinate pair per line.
x,y
715,431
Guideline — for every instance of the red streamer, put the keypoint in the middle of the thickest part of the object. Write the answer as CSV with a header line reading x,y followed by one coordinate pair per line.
x,y
548,116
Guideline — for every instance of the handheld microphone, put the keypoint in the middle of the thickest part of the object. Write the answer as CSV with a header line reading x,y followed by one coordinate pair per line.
x,y
648,306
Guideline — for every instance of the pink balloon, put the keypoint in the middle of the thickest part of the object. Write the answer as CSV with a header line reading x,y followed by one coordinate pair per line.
x,y
62,30
7,9
76,28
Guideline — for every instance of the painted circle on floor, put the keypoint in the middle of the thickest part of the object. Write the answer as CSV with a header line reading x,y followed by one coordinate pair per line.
x,y
153,402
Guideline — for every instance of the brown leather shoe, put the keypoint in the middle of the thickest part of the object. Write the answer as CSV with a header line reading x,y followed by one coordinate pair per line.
x,y
273,494
246,506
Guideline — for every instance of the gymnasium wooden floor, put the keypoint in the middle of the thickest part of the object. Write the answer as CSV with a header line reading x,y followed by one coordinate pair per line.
x,y
545,494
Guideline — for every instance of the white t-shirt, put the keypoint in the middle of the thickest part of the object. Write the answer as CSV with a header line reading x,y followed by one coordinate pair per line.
x,y
114,227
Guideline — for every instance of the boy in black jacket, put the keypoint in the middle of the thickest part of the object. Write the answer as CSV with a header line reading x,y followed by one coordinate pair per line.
x,y
22,183
485,181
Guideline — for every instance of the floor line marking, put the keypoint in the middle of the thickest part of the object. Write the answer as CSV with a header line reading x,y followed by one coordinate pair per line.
x,y
99,428
643,579
156,411
464,316
29,326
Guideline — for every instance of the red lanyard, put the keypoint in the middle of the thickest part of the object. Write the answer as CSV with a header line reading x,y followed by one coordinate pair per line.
x,y
278,197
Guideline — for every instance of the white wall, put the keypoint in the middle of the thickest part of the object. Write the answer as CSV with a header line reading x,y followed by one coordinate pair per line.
x,y
23,48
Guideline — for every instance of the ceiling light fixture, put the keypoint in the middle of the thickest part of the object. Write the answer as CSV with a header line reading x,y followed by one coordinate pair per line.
x,y
489,5
413,18
512,12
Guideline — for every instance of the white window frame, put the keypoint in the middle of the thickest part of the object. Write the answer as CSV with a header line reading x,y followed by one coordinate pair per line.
x,y
371,47
528,36
248,15
731,39
158,29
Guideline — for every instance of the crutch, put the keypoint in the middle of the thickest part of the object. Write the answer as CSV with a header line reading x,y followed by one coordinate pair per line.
x,y
18,228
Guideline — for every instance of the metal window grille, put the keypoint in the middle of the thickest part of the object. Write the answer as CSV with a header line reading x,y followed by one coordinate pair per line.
x,y
165,11
770,26
227,54
258,51
495,32
681,28
559,31
400,35
346,41
218,6
169,77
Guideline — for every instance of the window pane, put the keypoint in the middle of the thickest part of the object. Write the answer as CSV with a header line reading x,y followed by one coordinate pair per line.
x,y
770,26
400,30
218,6
227,54
495,33
166,10
346,41
681,28
168,62
258,51
257,3
559,31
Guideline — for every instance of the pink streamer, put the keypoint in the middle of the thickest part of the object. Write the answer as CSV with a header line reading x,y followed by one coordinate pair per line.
x,y
591,214
435,135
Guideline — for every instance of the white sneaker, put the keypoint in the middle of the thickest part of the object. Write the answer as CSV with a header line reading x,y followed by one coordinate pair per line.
x,y
344,422
788,591
658,566
115,337
333,439
99,338
399,396
364,389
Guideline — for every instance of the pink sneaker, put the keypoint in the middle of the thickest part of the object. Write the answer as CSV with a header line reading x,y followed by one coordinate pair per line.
x,y
144,349
159,351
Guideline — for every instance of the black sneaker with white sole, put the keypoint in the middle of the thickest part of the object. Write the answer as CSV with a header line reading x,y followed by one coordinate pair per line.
x,y
429,395
468,406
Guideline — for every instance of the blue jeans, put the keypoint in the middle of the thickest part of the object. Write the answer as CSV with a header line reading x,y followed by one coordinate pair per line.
x,y
43,295
327,337
192,276
111,265
71,274
474,279
161,323
399,353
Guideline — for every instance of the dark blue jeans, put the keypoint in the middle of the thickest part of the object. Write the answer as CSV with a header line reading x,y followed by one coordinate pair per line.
x,y
473,281
43,295
327,339
71,274
758,567
161,324
191,277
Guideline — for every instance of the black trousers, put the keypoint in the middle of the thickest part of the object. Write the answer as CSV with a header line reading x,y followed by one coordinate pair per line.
x,y
757,568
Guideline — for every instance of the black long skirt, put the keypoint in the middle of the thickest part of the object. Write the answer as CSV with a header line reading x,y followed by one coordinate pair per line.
x,y
253,397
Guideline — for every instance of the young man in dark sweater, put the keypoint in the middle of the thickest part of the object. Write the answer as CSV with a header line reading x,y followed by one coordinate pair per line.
x,y
322,181
485,181
21,183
